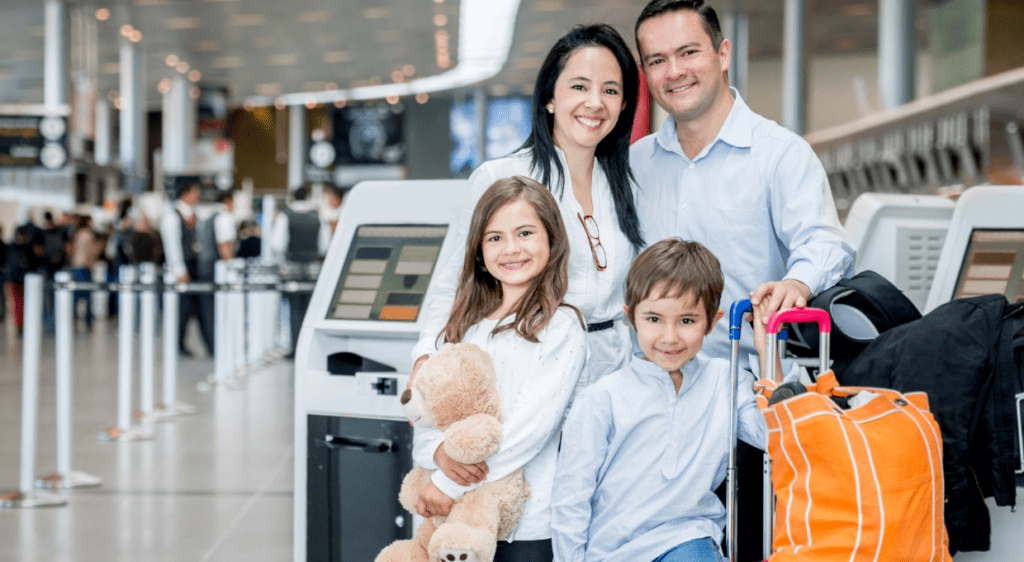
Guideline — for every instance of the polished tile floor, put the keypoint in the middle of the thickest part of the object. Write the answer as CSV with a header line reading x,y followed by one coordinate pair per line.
x,y
214,487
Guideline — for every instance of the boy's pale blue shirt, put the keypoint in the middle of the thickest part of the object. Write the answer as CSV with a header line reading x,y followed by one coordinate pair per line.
x,y
639,463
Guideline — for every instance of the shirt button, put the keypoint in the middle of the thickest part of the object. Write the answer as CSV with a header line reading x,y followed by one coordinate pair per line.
x,y
686,207
692,165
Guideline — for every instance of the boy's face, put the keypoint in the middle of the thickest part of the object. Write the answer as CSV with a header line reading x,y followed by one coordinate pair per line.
x,y
671,330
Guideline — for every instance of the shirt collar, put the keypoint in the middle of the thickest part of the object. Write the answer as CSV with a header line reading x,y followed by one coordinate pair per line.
x,y
735,130
643,367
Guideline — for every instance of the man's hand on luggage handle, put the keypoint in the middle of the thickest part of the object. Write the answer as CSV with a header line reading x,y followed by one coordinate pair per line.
x,y
774,296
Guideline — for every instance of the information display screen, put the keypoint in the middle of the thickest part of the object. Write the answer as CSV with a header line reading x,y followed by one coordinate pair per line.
x,y
993,263
387,272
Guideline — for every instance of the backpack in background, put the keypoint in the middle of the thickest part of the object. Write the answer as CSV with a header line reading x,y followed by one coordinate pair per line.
x,y
861,308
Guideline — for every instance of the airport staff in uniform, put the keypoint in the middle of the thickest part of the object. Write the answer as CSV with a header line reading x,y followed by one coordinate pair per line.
x,y
291,240
181,250
751,191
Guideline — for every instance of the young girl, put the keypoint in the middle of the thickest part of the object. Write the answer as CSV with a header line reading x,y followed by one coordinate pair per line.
x,y
509,302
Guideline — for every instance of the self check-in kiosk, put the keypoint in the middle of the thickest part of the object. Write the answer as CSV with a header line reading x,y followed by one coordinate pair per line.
x,y
353,443
983,253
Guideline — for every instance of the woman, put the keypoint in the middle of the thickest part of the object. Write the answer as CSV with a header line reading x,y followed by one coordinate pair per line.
x,y
583,105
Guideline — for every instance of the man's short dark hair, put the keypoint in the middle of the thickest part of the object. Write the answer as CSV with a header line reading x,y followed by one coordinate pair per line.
x,y
300,194
225,195
707,14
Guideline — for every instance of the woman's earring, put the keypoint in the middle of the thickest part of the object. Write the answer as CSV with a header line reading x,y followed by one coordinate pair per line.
x,y
551,109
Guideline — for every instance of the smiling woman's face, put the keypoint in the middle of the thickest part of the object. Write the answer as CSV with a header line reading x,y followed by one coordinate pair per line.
x,y
587,99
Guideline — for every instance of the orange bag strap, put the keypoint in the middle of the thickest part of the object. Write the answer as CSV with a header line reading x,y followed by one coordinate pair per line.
x,y
826,383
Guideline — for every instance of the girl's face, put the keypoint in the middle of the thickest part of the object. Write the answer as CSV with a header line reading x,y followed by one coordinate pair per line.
x,y
515,247
587,99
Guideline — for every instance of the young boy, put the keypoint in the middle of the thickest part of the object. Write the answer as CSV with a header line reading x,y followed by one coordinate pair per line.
x,y
644,448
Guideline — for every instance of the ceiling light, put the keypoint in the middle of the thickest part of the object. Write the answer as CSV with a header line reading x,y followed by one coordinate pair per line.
x,y
279,104
392,99
376,13
182,67
206,45
126,30
268,89
310,103
485,35
135,36
227,62
239,20
103,14
409,70
331,86
181,23
118,103
397,76
339,103
194,92
195,75
422,97
337,56
440,20
171,60
438,1
283,59
248,105
164,86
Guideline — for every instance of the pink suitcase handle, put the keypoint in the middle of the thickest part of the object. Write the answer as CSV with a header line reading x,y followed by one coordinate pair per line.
x,y
799,315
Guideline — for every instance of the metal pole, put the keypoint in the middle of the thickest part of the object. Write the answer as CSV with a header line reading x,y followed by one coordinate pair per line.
x,y
27,496
237,326
54,55
794,76
254,338
296,146
125,356
147,337
171,406
896,52
65,477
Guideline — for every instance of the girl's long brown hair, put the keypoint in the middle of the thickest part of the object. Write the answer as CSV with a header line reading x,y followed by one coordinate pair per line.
x,y
479,293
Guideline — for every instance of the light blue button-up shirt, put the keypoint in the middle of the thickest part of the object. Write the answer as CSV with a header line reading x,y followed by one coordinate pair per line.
x,y
639,463
757,196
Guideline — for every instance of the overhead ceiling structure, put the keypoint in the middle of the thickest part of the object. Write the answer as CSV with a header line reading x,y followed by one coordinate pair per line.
x,y
297,50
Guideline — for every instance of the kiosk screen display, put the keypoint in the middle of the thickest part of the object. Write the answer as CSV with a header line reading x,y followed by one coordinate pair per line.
x,y
387,272
993,263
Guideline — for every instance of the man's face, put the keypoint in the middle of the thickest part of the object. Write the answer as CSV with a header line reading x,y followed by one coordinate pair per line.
x,y
683,70
191,196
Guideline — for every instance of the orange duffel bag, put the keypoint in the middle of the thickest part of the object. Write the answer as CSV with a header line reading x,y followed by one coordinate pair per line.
x,y
856,473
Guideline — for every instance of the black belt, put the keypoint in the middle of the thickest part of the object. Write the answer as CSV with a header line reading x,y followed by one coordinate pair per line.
x,y
598,326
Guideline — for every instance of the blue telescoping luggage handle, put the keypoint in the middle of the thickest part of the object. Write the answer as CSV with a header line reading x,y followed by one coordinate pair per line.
x,y
739,308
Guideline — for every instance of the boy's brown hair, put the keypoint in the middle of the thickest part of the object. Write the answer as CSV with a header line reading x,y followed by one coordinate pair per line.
x,y
675,267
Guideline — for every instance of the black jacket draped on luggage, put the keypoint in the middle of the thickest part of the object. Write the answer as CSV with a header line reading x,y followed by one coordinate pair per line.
x,y
961,355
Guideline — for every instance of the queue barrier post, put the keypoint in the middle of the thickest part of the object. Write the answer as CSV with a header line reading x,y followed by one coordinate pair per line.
x,y
254,334
171,406
236,299
27,495
124,431
222,377
65,477
147,340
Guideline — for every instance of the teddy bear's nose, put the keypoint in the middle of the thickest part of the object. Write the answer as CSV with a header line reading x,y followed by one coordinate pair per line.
x,y
406,396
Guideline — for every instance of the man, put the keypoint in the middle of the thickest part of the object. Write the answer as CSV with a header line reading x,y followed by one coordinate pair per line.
x,y
716,172
332,210
55,241
181,251
216,237
290,236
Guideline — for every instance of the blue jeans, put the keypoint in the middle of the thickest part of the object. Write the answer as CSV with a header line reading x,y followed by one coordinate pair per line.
x,y
697,550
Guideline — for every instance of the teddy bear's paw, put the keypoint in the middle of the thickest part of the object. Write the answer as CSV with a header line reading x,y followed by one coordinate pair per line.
x,y
457,555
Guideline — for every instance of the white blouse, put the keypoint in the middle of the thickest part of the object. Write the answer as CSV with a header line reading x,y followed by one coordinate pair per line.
x,y
599,295
535,382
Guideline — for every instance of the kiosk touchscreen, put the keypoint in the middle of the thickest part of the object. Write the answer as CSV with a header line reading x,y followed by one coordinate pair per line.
x,y
984,250
353,444
900,236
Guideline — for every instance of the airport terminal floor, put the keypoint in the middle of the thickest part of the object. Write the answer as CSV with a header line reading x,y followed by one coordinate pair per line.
x,y
213,487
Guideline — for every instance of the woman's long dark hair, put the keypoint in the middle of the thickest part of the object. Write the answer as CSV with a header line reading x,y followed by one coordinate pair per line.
x,y
613,150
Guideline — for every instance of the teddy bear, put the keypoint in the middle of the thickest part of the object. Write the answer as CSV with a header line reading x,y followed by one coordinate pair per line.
x,y
456,391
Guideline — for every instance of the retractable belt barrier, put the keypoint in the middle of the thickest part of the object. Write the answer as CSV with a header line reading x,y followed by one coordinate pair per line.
x,y
249,316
